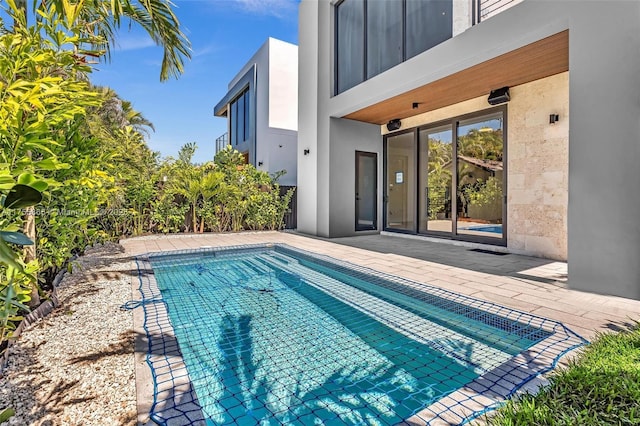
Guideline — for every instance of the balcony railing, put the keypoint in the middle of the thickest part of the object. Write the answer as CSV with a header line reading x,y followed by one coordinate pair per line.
x,y
484,9
221,142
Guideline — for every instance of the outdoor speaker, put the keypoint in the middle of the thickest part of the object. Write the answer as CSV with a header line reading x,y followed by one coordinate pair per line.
x,y
499,96
394,124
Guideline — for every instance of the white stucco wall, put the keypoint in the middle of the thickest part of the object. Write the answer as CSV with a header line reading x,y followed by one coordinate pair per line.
x,y
281,133
276,94
308,105
352,136
283,85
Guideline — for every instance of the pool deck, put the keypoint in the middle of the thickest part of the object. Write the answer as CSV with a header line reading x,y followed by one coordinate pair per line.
x,y
530,284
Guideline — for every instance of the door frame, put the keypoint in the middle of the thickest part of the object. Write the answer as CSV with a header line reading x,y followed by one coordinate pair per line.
x,y
385,197
374,226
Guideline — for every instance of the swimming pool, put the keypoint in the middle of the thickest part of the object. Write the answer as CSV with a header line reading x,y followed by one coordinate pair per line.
x,y
496,229
269,334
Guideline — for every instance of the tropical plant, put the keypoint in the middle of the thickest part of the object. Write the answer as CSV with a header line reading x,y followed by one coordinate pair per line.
x,y
248,197
487,145
95,24
56,148
484,193
438,177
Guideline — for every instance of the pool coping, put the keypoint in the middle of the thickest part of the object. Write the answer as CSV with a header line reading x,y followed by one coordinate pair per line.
x,y
468,404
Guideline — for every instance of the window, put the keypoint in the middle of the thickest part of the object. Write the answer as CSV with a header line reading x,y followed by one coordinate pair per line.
x,y
429,23
233,127
240,118
247,114
384,36
350,38
375,35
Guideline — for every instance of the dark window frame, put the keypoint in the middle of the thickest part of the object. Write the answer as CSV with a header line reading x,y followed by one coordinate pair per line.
x,y
240,129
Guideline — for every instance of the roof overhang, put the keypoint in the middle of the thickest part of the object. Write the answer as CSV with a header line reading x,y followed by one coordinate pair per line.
x,y
543,58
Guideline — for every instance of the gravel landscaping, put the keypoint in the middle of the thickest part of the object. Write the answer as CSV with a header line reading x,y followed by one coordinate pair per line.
x,y
76,366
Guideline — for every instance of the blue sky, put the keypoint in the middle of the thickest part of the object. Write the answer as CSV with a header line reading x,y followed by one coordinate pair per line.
x,y
224,35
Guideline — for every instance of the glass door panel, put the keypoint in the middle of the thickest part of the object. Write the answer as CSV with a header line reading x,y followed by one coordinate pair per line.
x,y
400,182
480,177
366,191
436,168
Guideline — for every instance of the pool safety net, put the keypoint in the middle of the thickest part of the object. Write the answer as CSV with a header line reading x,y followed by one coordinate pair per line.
x,y
268,334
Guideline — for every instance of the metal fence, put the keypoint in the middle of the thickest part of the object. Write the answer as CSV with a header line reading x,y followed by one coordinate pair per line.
x,y
291,214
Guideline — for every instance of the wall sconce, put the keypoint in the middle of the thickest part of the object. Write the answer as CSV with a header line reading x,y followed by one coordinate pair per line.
x,y
394,124
306,151
260,163
553,118
499,96
415,105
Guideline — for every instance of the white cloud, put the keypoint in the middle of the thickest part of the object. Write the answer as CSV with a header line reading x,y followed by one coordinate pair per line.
x,y
204,50
278,8
134,43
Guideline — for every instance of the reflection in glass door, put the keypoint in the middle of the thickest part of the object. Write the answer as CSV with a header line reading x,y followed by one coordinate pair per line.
x,y
480,177
366,191
436,168
400,182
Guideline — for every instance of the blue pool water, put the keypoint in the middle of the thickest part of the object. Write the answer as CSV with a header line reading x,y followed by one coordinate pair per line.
x,y
273,336
496,229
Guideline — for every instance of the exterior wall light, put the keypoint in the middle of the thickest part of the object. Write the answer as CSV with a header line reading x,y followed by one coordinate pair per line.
x,y
553,118
306,151
394,124
499,96
260,163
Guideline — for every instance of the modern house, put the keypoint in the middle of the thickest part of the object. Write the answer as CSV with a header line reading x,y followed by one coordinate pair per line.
x,y
261,110
511,124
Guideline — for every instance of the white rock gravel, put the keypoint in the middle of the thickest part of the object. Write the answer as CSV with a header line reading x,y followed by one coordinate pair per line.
x,y
76,366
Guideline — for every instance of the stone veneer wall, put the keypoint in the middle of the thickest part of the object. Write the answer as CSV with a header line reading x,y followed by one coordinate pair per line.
x,y
538,168
537,162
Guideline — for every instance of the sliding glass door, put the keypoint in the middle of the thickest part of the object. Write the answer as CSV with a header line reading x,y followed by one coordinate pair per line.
x,y
480,177
400,182
436,171
449,179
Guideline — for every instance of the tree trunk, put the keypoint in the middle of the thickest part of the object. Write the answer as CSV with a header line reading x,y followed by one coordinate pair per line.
x,y
29,252
194,219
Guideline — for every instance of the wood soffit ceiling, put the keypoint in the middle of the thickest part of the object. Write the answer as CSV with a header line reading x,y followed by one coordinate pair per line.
x,y
534,61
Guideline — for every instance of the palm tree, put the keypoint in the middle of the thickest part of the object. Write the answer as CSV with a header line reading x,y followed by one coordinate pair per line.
x,y
136,120
99,20
117,113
